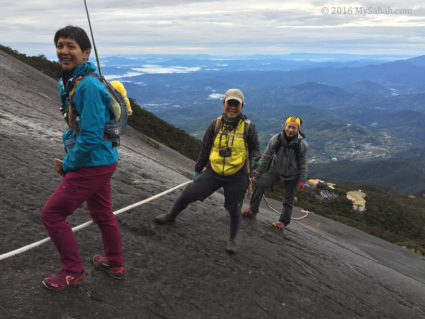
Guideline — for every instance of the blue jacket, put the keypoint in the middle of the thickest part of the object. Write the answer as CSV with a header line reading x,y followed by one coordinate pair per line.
x,y
91,99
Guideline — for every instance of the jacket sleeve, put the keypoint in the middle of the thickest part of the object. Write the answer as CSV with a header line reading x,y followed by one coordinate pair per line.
x,y
267,156
253,144
207,143
91,103
303,170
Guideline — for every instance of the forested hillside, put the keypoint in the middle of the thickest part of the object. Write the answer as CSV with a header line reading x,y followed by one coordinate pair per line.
x,y
389,215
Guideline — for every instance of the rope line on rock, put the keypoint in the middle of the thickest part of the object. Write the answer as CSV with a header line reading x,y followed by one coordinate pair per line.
x,y
276,211
84,225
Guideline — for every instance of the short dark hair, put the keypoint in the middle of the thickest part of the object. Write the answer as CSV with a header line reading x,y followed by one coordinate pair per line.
x,y
75,33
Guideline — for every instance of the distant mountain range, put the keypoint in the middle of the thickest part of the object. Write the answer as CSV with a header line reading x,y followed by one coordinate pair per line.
x,y
354,108
361,111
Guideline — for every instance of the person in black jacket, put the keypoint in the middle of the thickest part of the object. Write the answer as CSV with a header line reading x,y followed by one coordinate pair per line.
x,y
285,158
230,144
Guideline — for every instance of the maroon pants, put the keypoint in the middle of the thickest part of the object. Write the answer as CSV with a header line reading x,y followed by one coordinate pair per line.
x,y
91,185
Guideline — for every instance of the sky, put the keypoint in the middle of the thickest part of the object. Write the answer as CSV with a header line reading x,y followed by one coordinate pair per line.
x,y
239,27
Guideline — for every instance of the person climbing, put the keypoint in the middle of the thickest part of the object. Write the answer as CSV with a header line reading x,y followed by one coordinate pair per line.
x,y
87,168
229,145
285,158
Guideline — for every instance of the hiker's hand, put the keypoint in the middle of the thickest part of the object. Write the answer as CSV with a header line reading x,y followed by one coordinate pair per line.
x,y
300,186
195,175
255,176
57,164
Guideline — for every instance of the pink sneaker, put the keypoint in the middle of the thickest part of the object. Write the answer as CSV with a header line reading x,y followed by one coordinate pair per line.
x,y
278,225
248,213
101,263
64,280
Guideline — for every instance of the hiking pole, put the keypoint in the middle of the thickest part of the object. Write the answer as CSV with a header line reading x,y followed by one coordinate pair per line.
x,y
92,38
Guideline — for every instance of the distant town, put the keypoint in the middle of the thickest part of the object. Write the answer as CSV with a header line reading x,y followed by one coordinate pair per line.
x,y
357,196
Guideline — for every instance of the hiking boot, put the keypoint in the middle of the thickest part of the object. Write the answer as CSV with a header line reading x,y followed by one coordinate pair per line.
x,y
164,219
64,280
278,225
101,263
248,213
231,247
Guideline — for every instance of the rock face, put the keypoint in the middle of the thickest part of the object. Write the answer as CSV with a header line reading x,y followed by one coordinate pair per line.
x,y
317,268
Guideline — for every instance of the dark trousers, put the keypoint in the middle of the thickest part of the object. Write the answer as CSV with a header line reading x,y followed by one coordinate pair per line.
x,y
208,182
267,180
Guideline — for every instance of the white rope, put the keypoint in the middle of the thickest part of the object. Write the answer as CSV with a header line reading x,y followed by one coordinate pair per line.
x,y
74,229
276,211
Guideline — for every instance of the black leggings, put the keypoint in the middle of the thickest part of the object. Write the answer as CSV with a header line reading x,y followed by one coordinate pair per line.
x,y
267,180
208,182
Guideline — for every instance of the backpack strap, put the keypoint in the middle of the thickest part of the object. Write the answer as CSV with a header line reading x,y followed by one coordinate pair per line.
x,y
245,138
217,126
278,144
297,153
72,112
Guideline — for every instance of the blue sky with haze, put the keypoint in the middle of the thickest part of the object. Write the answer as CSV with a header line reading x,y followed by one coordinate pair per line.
x,y
221,27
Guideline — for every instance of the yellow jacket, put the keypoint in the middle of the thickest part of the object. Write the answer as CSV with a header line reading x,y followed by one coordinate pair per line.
x,y
229,151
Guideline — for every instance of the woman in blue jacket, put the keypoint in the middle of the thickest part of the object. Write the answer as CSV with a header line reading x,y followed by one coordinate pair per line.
x,y
87,167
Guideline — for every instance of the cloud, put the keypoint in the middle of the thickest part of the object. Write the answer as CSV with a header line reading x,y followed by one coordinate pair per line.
x,y
216,96
156,69
216,27
126,75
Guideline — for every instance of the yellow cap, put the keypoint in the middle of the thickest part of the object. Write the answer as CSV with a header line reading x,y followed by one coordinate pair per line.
x,y
293,119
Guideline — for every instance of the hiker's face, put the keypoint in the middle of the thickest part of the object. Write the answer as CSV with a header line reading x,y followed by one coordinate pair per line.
x,y
291,129
232,108
70,54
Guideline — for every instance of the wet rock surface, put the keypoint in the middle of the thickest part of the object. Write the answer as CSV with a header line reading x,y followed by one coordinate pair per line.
x,y
316,268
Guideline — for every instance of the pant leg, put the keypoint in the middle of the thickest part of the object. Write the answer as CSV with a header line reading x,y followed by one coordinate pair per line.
x,y
75,188
100,208
288,203
263,182
201,188
234,193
